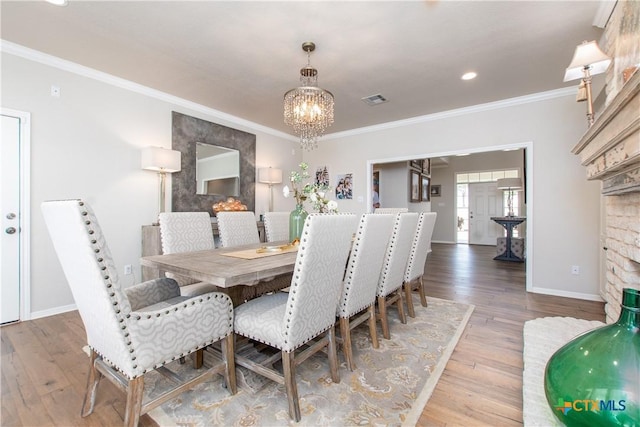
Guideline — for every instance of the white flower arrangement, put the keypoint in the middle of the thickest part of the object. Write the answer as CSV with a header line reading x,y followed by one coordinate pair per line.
x,y
314,192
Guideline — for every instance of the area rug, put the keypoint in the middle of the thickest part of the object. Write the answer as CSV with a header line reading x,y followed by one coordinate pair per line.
x,y
542,337
390,386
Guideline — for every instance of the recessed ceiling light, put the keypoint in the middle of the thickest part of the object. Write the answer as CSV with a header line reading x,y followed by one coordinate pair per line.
x,y
469,76
58,2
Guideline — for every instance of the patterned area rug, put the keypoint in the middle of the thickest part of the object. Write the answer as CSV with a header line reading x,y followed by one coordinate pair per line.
x,y
390,386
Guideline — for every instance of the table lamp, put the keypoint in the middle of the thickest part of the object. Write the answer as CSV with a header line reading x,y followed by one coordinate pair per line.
x,y
270,176
509,184
162,161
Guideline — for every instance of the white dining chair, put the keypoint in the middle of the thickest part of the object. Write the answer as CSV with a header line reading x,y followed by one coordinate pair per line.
x,y
237,228
139,329
395,262
420,248
358,299
276,226
287,321
390,210
187,232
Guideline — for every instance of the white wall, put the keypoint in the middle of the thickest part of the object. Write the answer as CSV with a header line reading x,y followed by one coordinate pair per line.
x,y
86,144
563,207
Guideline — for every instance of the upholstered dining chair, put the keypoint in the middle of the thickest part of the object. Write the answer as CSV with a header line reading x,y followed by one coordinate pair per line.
x,y
276,226
187,232
391,210
287,321
240,228
237,228
420,248
358,299
138,329
395,262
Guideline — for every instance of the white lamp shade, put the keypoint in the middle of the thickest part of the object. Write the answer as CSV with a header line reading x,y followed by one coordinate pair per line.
x,y
587,54
161,159
270,175
509,183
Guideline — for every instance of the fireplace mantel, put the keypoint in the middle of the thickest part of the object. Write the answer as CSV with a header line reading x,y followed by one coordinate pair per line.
x,y
610,149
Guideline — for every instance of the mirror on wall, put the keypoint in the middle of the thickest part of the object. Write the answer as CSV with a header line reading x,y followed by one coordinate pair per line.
x,y
217,170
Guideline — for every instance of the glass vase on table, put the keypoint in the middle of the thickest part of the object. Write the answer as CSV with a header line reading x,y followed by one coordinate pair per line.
x,y
296,222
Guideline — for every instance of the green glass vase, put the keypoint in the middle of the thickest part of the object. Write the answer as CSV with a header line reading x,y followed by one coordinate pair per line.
x,y
296,222
594,380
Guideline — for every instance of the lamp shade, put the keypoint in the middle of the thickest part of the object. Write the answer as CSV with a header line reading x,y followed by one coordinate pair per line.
x,y
587,54
270,175
161,159
509,183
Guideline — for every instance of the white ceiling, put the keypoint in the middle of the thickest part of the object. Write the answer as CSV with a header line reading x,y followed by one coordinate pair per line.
x,y
241,57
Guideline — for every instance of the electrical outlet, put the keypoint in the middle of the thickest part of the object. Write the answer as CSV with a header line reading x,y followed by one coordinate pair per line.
x,y
127,269
575,269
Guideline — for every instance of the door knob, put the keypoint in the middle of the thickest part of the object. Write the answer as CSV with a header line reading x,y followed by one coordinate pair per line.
x,y
10,230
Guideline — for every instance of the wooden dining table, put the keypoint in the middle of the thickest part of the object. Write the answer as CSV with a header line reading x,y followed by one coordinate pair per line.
x,y
228,268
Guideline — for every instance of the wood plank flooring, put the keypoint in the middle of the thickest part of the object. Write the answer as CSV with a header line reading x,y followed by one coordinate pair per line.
x,y
44,369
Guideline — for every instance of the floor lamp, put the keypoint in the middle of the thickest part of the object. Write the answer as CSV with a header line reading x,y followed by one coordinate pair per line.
x,y
162,161
270,176
509,184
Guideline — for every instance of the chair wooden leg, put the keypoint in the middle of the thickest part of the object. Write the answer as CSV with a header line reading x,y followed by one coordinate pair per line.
x,y
407,293
382,307
400,304
198,358
372,326
347,350
289,370
134,402
332,350
228,357
423,296
93,379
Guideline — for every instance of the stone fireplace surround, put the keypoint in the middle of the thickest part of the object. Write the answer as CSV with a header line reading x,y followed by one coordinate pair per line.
x,y
610,150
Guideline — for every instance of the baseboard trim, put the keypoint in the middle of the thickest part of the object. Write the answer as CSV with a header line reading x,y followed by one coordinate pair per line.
x,y
52,311
566,294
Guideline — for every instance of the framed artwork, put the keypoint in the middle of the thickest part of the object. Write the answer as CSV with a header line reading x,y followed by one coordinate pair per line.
x,y
375,194
435,190
426,167
322,176
425,190
416,164
344,187
414,186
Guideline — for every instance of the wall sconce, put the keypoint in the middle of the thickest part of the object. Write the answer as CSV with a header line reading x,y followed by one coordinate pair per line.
x,y
270,176
509,184
162,161
588,60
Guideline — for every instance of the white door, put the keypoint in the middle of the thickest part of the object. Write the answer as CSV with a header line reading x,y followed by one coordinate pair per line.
x,y
11,221
485,201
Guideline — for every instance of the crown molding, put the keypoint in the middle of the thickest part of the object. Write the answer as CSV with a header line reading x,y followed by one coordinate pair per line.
x,y
72,67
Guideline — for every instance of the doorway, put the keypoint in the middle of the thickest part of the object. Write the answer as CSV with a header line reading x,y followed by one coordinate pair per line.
x,y
14,216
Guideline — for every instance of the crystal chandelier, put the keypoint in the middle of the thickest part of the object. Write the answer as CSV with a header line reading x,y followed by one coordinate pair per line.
x,y
308,108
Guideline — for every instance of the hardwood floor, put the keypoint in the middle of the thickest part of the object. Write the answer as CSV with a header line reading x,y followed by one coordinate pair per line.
x,y
44,369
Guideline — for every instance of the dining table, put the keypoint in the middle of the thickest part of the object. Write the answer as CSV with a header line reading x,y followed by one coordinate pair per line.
x,y
229,269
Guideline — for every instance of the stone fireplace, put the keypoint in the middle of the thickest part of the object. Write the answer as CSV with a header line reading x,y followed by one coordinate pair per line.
x,y
610,151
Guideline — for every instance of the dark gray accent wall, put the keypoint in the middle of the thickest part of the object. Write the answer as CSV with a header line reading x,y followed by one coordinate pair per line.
x,y
185,132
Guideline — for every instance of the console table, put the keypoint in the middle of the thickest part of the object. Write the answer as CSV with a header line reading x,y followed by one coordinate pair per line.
x,y
508,222
152,245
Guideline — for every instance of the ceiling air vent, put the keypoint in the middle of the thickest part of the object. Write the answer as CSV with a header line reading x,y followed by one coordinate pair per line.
x,y
374,99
